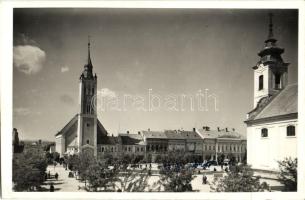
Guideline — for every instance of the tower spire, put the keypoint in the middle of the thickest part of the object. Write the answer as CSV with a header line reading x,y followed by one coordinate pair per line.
x,y
270,35
89,58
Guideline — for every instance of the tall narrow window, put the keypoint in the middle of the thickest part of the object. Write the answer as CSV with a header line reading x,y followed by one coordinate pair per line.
x,y
290,130
261,82
277,79
87,141
264,132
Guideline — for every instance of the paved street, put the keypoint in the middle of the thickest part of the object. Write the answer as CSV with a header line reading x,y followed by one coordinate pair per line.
x,y
66,184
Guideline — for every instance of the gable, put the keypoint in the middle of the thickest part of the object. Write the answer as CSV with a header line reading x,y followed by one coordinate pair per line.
x,y
283,104
66,128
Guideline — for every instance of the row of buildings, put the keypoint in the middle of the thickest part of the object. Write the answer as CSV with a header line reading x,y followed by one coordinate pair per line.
x,y
201,144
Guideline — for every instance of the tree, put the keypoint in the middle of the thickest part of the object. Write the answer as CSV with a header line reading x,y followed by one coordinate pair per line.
x,y
239,179
288,173
85,159
28,170
100,176
131,181
171,181
72,162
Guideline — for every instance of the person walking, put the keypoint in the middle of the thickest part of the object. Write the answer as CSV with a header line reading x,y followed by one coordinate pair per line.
x,y
56,176
51,187
204,179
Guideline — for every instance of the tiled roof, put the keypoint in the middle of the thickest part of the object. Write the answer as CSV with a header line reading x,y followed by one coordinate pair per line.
x,y
154,134
173,134
131,139
286,102
213,134
190,135
110,140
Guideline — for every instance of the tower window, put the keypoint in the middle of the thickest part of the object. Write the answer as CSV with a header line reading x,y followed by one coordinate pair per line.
x,y
88,124
277,81
87,141
264,132
291,130
260,82
92,90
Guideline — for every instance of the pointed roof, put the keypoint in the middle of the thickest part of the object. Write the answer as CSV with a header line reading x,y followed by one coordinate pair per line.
x,y
88,67
271,47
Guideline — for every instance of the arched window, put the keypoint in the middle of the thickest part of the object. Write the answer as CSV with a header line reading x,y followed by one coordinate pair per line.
x,y
260,82
290,130
264,132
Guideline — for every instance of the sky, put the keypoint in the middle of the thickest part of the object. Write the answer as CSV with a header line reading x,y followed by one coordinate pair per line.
x,y
146,54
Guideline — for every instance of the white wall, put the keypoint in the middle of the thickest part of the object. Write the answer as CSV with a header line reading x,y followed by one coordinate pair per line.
x,y
263,153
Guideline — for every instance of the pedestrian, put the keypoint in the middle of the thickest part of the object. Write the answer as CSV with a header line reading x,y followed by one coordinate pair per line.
x,y
49,174
150,165
226,169
204,179
51,187
56,176
215,169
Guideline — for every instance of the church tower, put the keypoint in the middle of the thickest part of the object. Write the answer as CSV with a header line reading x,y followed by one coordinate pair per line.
x,y
270,73
87,118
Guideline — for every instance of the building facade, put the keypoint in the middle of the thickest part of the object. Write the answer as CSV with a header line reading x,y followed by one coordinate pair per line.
x,y
272,124
223,144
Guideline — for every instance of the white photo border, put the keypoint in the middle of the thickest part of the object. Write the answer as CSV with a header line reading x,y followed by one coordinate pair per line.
x,y
6,42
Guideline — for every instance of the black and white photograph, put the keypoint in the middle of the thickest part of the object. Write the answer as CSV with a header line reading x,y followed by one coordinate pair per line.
x,y
154,100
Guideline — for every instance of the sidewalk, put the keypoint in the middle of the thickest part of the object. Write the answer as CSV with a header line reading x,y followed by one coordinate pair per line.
x,y
64,183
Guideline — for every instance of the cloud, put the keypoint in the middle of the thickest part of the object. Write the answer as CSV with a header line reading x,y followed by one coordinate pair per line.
x,y
28,59
105,92
22,111
66,99
64,69
22,39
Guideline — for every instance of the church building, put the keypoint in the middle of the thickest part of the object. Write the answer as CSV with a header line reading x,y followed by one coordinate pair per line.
x,y
272,124
83,132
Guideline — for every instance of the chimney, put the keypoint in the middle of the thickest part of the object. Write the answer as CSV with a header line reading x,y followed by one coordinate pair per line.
x,y
218,129
139,132
111,135
227,130
127,132
148,129
233,129
194,129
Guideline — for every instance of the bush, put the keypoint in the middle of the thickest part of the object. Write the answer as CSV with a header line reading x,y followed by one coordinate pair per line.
x,y
288,173
175,181
239,179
